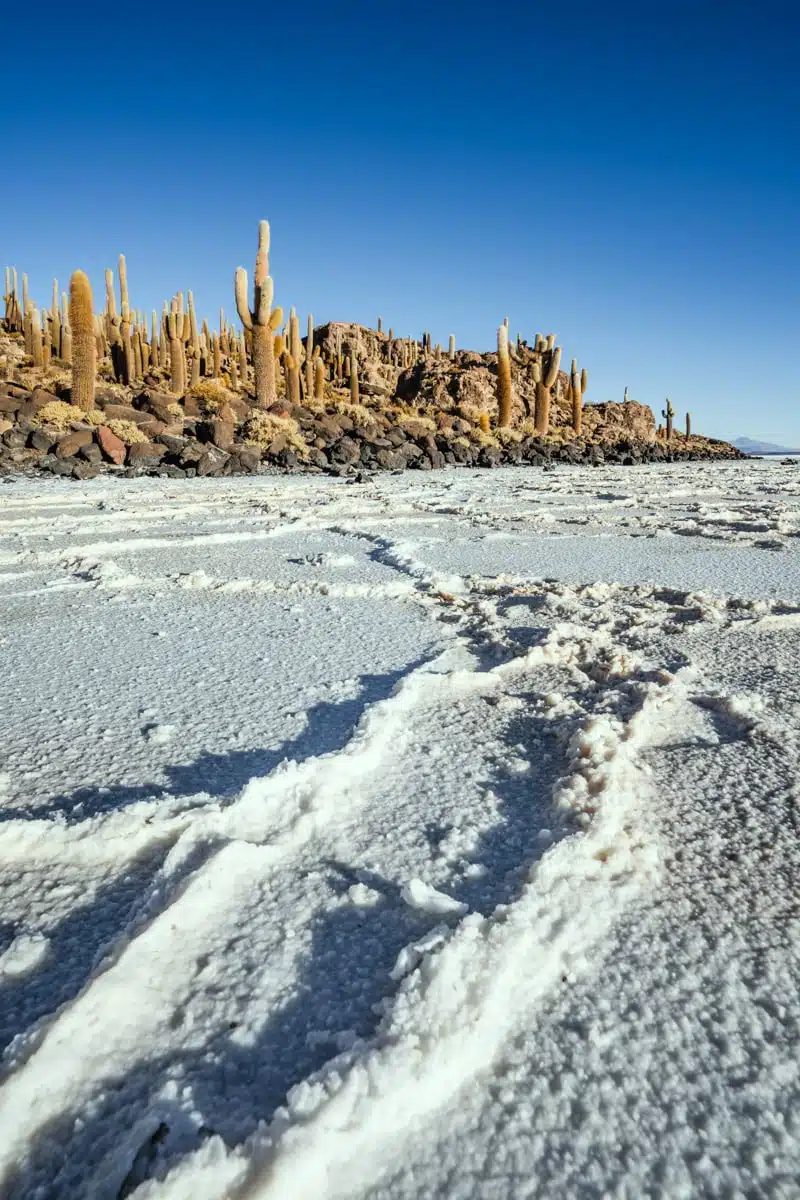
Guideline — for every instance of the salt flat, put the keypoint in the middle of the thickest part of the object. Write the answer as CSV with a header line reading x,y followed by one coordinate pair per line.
x,y
435,835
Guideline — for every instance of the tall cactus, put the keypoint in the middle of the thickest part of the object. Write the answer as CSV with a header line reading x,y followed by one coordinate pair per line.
x,y
355,394
668,413
688,425
545,375
503,378
178,330
262,321
81,323
36,338
310,357
578,382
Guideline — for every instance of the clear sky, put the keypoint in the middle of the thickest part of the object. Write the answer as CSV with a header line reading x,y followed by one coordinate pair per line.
x,y
625,175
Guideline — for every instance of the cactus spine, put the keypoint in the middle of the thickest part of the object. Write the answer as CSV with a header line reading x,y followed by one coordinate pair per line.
x,y
262,321
503,378
81,322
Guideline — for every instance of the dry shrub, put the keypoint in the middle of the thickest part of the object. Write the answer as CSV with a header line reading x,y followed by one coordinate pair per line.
x,y
261,429
128,432
211,395
358,413
60,415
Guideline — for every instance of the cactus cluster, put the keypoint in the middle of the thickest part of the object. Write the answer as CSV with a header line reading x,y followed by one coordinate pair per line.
x,y
266,356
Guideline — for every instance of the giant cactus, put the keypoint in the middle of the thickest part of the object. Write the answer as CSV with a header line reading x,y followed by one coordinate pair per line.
x,y
578,382
503,378
178,331
81,323
310,357
262,321
545,375
668,413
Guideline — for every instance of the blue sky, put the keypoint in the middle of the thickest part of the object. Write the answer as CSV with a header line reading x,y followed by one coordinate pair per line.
x,y
625,175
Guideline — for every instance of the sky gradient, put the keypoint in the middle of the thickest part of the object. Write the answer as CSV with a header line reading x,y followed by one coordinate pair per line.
x,y
623,175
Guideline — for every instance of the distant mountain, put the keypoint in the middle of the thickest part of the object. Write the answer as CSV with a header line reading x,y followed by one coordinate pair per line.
x,y
754,446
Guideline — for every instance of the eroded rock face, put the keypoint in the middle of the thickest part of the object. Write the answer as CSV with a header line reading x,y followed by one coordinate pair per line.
x,y
614,422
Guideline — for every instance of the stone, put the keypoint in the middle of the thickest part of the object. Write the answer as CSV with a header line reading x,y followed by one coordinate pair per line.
x,y
112,447
144,454
191,406
11,404
58,466
156,403
191,453
84,470
175,444
91,453
212,462
345,451
222,433
249,457
5,426
70,443
42,440
391,460
124,412
42,396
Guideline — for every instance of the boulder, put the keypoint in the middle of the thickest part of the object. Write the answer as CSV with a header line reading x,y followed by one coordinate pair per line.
x,y
125,412
145,454
71,443
112,447
212,461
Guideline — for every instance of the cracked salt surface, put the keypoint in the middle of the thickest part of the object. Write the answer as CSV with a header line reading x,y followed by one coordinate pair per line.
x,y
397,840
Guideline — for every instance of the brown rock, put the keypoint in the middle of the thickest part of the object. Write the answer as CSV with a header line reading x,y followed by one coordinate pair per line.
x,y
212,462
223,433
40,397
11,404
145,453
113,447
84,470
41,440
124,412
239,407
191,406
158,404
5,425
71,443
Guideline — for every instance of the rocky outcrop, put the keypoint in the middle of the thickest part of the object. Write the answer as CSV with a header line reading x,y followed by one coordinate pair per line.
x,y
424,415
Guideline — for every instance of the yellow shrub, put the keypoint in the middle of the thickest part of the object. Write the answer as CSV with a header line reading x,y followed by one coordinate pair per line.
x,y
60,415
128,432
261,429
212,395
